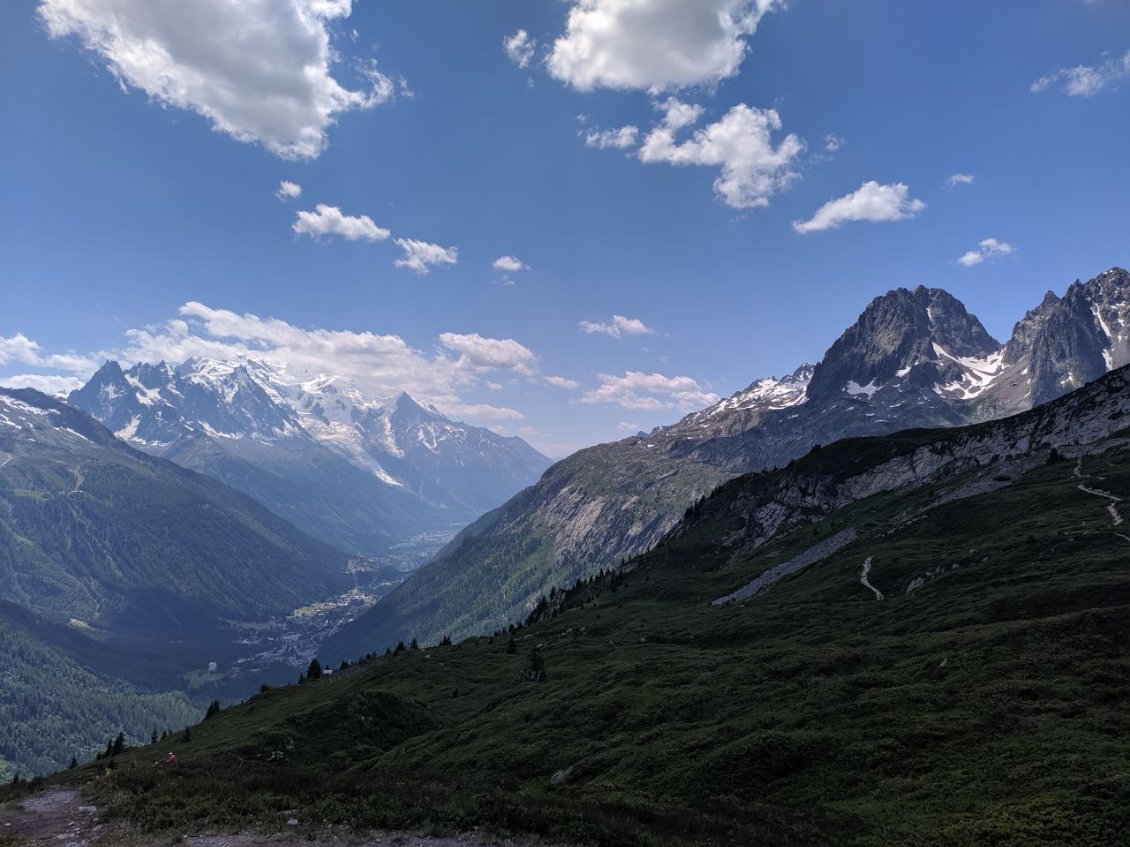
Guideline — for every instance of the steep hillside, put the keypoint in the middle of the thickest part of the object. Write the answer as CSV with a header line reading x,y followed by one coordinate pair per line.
x,y
913,639
912,359
120,542
55,704
358,472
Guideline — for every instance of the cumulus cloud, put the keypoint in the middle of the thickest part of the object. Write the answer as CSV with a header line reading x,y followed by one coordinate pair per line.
x,y
628,426
741,144
509,264
420,256
563,382
618,139
47,383
383,365
20,349
833,143
329,220
489,354
617,327
288,191
870,202
1085,80
988,248
258,71
519,48
650,392
960,179
654,44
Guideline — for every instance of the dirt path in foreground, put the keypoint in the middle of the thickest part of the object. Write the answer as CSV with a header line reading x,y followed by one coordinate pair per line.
x,y
62,817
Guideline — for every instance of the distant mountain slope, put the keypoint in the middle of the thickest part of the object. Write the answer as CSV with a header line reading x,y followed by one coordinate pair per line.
x,y
122,542
358,472
937,654
54,704
914,358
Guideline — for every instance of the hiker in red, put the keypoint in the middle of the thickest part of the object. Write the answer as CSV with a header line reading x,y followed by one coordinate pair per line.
x,y
171,759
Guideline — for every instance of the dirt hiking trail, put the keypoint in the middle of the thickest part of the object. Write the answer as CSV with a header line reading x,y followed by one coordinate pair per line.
x,y
62,817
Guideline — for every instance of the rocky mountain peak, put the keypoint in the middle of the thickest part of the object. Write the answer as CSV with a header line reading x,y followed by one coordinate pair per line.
x,y
896,332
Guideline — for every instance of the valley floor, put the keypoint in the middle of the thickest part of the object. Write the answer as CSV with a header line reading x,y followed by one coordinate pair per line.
x,y
62,817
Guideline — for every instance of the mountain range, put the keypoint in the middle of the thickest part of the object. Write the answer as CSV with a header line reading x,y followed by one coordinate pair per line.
x,y
358,472
917,638
914,358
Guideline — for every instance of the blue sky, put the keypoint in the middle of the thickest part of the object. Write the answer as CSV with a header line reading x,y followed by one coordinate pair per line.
x,y
779,165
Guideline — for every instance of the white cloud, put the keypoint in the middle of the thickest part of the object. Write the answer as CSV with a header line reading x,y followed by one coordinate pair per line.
x,y
988,248
519,48
563,382
961,179
654,44
1085,80
383,365
652,392
509,264
259,71
628,426
21,349
833,143
617,327
421,255
329,220
618,139
47,383
741,144
870,202
489,354
288,191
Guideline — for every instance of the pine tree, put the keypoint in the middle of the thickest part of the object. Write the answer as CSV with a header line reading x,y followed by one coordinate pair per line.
x,y
315,670
213,710
415,644
153,738
187,734
119,745
511,646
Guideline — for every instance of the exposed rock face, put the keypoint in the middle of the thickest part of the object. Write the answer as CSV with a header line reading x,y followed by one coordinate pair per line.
x,y
912,359
359,472
1065,343
851,471
897,332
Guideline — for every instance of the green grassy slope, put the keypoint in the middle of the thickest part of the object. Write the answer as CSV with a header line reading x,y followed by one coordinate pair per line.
x,y
94,530
986,706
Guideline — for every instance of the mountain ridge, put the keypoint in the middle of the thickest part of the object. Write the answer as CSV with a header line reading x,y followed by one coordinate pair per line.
x,y
360,472
926,362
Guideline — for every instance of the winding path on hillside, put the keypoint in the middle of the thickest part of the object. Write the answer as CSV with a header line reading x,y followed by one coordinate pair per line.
x,y
864,575
1111,507
61,817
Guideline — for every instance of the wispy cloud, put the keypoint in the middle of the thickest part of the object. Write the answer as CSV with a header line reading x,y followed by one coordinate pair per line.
x,y
422,256
988,248
622,138
870,202
1085,80
617,327
650,392
960,179
519,48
